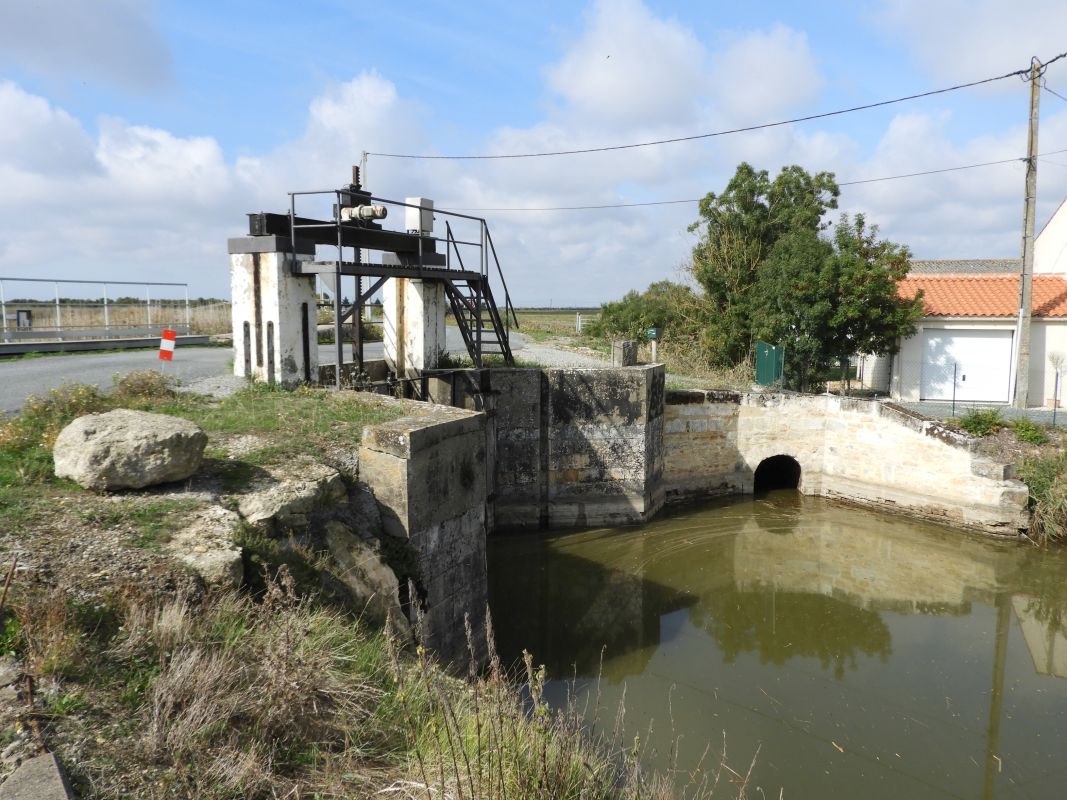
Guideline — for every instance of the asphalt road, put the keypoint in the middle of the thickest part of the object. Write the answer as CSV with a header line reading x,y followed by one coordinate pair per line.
x,y
22,377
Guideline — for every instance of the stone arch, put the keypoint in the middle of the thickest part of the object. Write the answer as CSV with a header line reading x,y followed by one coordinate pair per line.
x,y
776,472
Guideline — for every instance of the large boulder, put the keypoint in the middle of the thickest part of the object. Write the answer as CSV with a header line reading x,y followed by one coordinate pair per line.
x,y
125,449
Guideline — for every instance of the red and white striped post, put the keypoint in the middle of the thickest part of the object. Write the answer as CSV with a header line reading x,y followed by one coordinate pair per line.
x,y
166,347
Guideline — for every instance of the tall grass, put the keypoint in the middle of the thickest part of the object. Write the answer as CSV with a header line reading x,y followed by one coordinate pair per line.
x,y
286,698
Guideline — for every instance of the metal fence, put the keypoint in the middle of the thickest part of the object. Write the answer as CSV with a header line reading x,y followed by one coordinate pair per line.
x,y
120,314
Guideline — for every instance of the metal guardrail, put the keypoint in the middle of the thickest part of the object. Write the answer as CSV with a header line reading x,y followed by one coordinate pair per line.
x,y
21,326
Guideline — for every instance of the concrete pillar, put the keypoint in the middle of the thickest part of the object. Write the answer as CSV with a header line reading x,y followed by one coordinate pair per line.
x,y
274,315
413,310
414,324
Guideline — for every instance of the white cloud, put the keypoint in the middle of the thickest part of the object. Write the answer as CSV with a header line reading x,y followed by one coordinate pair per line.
x,y
966,40
145,203
762,73
113,40
629,67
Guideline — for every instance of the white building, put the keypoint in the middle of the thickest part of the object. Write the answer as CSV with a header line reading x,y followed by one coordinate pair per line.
x,y
964,345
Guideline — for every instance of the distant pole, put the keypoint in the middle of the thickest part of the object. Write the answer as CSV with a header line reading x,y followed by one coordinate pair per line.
x,y
1026,280
954,366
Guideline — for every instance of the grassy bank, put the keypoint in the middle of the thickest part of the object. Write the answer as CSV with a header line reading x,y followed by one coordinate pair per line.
x,y
146,686
1040,458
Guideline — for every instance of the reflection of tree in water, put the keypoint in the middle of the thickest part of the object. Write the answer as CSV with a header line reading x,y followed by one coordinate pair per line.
x,y
1044,580
787,625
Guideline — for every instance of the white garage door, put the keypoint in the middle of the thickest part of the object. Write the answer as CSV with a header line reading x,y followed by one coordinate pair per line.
x,y
982,360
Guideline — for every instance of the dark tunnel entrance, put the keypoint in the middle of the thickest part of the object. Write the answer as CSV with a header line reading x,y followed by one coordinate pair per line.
x,y
777,472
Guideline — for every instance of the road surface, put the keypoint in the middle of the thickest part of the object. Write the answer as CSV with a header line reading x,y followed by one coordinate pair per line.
x,y
22,377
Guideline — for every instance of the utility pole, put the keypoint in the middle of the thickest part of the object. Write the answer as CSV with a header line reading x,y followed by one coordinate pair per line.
x,y
1026,279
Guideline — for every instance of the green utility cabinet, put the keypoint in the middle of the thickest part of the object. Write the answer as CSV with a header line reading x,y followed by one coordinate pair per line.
x,y
770,364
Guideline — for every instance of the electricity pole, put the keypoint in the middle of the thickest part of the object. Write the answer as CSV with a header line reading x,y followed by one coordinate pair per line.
x,y
1026,279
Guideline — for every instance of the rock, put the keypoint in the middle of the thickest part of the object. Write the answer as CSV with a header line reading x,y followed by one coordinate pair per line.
x,y
10,670
294,493
39,778
126,449
206,546
370,580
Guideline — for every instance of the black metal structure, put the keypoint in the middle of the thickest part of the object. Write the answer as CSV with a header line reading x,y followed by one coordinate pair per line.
x,y
407,254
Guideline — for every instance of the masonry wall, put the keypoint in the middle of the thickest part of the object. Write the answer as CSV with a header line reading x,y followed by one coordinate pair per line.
x,y
568,447
427,472
858,450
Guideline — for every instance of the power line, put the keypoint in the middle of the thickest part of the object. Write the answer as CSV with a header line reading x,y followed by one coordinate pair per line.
x,y
1045,86
698,199
1021,73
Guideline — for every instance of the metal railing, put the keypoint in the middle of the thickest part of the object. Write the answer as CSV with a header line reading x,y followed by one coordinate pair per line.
x,y
105,317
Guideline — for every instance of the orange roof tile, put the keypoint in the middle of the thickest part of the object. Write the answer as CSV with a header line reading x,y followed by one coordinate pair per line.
x,y
985,295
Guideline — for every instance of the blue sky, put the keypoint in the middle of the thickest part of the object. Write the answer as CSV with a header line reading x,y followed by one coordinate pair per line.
x,y
149,129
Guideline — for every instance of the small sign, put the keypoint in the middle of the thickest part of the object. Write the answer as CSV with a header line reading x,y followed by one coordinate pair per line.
x,y
166,345
653,334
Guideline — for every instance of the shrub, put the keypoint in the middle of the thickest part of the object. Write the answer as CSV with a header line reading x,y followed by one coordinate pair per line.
x,y
982,422
1045,478
142,386
1029,432
42,418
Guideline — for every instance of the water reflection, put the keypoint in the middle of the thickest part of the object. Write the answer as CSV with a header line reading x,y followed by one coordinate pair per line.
x,y
863,651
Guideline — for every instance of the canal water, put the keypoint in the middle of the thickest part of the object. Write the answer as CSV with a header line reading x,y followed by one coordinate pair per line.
x,y
863,654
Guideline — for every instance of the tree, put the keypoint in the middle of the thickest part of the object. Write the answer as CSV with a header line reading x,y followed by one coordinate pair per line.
x,y
661,305
739,229
828,299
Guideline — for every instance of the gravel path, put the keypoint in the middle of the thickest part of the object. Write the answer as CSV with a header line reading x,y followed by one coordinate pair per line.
x,y
525,349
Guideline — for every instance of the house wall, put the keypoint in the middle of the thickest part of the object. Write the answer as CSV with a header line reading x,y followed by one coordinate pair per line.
x,y
1050,247
1046,336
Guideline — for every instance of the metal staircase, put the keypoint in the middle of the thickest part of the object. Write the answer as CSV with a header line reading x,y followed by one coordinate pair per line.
x,y
484,331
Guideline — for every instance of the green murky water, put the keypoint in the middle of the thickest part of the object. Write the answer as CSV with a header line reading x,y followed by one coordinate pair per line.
x,y
865,655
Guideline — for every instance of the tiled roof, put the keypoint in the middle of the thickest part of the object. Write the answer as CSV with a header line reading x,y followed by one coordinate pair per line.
x,y
955,266
985,295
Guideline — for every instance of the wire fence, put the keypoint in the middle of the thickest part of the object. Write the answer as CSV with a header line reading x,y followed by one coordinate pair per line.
x,y
41,310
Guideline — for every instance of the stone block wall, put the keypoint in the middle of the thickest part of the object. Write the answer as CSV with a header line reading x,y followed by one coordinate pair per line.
x,y
427,472
566,447
858,450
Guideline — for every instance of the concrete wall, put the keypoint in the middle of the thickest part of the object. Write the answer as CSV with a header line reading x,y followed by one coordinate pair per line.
x,y
858,450
427,472
1050,246
569,447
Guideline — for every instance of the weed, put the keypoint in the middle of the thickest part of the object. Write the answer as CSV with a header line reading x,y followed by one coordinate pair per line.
x,y
151,523
1047,479
982,422
1029,432
64,704
48,637
142,386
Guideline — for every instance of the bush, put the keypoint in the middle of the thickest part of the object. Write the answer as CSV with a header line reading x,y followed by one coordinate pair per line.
x,y
982,422
142,386
1045,478
1029,432
34,431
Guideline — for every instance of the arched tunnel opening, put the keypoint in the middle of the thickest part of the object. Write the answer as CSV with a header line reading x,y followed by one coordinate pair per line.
x,y
777,472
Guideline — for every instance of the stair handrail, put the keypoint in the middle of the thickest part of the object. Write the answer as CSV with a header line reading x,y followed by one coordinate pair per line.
x,y
508,307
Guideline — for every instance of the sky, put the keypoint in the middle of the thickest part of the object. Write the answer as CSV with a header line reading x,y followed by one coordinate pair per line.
x,y
136,134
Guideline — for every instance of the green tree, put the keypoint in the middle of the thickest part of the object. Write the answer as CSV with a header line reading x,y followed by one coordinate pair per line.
x,y
828,299
739,228
662,305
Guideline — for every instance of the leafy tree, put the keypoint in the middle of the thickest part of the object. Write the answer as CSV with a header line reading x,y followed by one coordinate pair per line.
x,y
739,229
827,299
662,305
